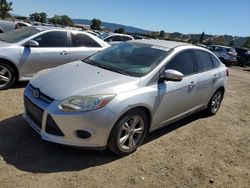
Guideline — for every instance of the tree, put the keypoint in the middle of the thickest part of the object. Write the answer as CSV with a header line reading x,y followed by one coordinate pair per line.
x,y
5,8
66,20
39,17
120,30
162,34
247,43
231,43
202,36
219,40
96,24
63,20
56,20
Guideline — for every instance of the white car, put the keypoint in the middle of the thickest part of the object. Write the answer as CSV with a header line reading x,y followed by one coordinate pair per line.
x,y
117,38
28,50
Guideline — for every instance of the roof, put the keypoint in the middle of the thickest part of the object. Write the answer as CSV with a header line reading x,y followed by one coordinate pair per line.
x,y
162,43
44,28
222,46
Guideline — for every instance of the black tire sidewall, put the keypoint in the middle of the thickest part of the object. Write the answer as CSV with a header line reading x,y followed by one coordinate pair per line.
x,y
209,109
114,138
13,77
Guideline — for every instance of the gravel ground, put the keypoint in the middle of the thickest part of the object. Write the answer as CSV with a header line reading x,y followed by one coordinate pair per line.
x,y
195,152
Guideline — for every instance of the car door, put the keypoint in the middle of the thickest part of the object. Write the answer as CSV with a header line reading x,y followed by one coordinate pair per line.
x,y
53,50
175,99
207,76
83,46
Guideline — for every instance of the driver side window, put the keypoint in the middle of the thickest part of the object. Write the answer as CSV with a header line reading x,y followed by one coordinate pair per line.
x,y
52,39
183,62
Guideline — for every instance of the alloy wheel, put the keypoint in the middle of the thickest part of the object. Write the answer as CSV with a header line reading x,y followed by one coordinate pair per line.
x,y
216,101
131,133
5,76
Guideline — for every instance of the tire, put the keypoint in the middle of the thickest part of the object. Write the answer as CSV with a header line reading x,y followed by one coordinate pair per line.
x,y
214,103
7,76
128,132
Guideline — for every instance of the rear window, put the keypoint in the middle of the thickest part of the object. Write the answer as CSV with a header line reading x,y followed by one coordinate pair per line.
x,y
215,61
231,50
204,61
82,40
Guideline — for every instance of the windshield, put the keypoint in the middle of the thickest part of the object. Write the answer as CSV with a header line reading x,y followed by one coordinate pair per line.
x,y
134,59
18,35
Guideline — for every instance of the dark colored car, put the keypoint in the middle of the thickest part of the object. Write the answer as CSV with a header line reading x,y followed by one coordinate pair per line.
x,y
243,56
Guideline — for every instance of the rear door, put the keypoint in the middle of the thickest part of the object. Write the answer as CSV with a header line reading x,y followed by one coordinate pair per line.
x,y
82,46
53,50
207,76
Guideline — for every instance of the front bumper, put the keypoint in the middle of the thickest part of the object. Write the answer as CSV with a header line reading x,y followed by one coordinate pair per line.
x,y
39,113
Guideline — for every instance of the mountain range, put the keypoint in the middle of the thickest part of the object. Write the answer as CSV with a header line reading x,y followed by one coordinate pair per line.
x,y
237,40
113,26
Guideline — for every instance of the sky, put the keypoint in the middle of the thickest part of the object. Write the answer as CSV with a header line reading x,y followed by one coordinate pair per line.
x,y
215,17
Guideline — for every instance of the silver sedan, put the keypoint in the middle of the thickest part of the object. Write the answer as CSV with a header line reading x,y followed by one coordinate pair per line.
x,y
28,50
115,97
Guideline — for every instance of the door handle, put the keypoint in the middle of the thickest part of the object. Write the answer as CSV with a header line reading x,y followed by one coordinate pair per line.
x,y
215,77
63,52
191,85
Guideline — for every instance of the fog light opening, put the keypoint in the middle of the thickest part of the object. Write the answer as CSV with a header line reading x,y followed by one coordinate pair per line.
x,y
83,134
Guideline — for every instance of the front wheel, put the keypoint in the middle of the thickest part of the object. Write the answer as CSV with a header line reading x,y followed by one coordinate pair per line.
x,y
128,132
7,76
215,102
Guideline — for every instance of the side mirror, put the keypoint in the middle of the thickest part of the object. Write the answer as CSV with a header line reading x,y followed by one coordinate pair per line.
x,y
31,43
172,75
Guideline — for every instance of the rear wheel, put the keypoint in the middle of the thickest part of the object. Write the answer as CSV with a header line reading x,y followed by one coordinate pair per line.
x,y
215,102
7,76
128,132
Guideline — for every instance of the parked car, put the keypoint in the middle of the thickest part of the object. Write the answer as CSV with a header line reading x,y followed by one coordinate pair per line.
x,y
115,97
28,50
243,56
227,55
21,24
138,37
6,25
117,38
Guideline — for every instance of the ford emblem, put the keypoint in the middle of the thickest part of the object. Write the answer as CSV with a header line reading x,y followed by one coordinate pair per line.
x,y
36,93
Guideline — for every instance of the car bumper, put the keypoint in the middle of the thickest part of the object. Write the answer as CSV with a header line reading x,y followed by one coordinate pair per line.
x,y
63,127
230,62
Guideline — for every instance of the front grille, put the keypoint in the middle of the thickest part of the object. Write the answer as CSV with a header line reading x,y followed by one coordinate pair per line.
x,y
34,112
42,96
52,128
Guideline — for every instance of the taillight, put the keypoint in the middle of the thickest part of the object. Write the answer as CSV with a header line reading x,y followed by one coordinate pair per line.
x,y
227,73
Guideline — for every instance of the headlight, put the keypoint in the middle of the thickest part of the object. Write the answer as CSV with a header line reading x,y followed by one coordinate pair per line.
x,y
85,103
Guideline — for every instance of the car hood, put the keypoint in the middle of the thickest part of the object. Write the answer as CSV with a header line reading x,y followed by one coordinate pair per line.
x,y
5,44
79,78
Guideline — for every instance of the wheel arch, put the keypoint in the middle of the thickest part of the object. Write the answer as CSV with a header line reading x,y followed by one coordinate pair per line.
x,y
141,107
10,63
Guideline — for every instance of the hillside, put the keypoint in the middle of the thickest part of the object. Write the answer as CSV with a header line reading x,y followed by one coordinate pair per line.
x,y
113,26
176,36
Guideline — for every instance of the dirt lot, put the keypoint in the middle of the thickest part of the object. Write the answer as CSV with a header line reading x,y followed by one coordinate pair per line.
x,y
195,152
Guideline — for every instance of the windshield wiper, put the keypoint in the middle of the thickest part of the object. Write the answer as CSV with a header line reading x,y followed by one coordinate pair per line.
x,y
120,71
90,62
